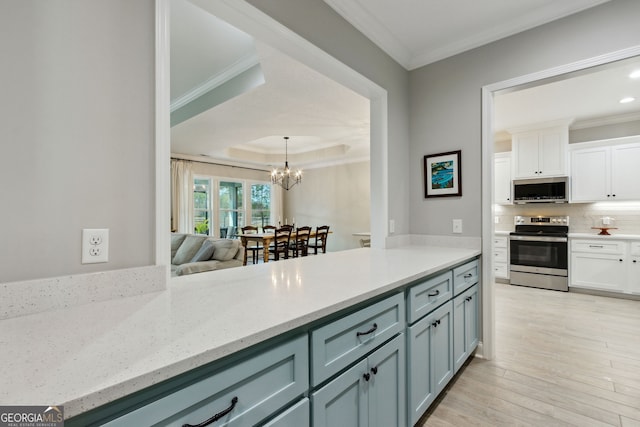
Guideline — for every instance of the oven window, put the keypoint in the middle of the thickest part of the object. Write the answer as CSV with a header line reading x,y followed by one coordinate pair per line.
x,y
539,254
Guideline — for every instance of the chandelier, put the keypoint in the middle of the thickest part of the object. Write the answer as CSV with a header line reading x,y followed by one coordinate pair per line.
x,y
286,178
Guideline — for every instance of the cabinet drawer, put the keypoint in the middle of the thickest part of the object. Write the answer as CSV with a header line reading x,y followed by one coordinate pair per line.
x,y
262,384
296,416
501,270
635,248
429,295
465,276
500,242
338,344
598,246
500,255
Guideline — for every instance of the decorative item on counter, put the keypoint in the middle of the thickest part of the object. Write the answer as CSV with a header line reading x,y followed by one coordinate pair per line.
x,y
604,230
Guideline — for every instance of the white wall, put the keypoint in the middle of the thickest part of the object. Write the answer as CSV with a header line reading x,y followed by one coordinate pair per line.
x,y
337,196
445,101
77,126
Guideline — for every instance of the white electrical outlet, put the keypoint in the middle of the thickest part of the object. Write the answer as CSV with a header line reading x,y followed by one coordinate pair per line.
x,y
392,226
457,226
95,245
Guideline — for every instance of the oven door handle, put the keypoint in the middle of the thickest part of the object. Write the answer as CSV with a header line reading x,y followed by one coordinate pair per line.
x,y
538,238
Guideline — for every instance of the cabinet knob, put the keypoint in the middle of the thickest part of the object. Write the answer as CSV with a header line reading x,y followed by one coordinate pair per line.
x,y
634,260
366,376
374,370
620,260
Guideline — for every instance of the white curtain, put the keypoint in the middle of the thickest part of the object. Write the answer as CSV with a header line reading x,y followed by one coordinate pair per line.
x,y
181,196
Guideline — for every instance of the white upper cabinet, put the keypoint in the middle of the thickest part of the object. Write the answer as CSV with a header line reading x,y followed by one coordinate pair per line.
x,y
606,170
502,179
540,153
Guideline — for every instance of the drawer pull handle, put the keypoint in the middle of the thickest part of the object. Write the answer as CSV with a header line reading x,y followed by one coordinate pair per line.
x,y
374,370
434,294
366,376
217,416
468,276
370,331
596,246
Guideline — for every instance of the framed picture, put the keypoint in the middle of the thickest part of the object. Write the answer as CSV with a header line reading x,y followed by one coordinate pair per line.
x,y
442,174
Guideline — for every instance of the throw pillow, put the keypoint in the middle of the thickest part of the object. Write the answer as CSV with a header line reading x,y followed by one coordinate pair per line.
x,y
225,249
205,252
176,241
188,249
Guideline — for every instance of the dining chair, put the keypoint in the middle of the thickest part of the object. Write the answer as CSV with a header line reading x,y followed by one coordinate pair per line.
x,y
253,247
269,228
281,242
300,244
321,239
289,226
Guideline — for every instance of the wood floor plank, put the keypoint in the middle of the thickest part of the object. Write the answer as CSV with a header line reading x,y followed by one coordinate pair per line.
x,y
562,358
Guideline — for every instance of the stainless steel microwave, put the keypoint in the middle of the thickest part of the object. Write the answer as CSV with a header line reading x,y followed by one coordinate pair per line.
x,y
541,190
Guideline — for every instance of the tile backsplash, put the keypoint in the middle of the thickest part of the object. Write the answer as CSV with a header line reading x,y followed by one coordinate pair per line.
x,y
582,216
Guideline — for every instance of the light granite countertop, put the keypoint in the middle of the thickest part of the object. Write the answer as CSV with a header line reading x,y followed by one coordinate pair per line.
x,y
613,236
88,355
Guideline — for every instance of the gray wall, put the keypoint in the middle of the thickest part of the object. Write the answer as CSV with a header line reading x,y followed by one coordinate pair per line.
x,y
445,103
318,23
337,196
77,126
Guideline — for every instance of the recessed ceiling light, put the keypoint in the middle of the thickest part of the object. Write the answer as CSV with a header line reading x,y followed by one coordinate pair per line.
x,y
635,74
627,100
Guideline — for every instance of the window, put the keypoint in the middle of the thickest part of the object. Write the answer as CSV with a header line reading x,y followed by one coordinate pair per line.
x,y
230,202
238,203
260,205
202,217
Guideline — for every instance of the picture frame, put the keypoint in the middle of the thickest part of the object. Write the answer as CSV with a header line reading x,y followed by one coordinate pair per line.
x,y
443,174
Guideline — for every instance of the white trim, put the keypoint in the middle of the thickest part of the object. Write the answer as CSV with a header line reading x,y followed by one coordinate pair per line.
x,y
235,69
163,138
603,121
488,228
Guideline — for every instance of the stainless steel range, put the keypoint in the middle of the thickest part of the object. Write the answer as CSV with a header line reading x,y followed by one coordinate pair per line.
x,y
539,252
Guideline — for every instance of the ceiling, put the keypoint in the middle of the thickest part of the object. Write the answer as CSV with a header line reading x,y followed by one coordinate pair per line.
x,y
238,97
416,33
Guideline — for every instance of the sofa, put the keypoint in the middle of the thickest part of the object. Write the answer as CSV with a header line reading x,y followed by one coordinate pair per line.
x,y
195,253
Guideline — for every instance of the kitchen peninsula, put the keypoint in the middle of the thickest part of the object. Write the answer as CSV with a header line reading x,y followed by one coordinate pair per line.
x,y
87,356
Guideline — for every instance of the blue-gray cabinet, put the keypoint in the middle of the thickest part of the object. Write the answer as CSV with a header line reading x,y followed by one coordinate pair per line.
x,y
430,361
369,394
466,308
244,394
296,416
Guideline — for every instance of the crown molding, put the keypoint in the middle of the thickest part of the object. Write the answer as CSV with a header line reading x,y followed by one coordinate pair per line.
x,y
603,121
373,29
240,66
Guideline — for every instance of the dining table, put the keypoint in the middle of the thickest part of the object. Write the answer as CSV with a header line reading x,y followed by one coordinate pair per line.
x,y
265,239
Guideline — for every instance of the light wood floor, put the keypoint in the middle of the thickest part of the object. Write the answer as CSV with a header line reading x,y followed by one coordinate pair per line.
x,y
562,359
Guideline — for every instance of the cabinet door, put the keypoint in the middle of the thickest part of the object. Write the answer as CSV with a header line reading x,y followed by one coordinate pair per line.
x,y
430,359
465,326
552,154
625,172
344,401
590,175
387,386
598,271
502,179
634,275
525,155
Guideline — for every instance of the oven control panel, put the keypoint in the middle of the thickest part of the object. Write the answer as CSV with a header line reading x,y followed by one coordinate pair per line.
x,y
541,220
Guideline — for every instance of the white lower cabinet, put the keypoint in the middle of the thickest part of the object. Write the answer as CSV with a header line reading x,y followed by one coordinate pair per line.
x,y
430,366
466,308
501,257
606,265
369,394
